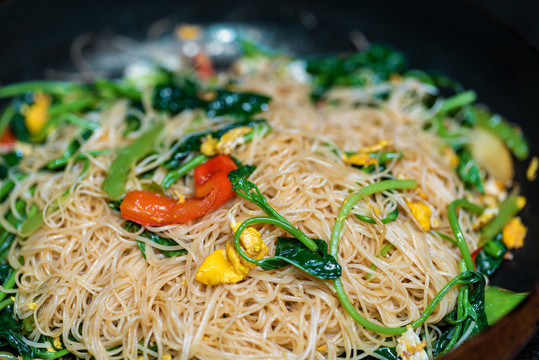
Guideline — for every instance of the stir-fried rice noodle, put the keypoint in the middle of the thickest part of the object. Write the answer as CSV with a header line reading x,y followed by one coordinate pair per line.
x,y
93,287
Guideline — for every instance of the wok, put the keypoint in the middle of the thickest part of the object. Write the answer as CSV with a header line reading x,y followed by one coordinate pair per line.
x,y
463,39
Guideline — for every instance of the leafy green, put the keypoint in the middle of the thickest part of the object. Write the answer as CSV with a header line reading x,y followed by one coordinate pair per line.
x,y
348,70
236,104
10,332
289,251
490,257
387,353
134,227
469,172
499,302
193,142
175,99
392,216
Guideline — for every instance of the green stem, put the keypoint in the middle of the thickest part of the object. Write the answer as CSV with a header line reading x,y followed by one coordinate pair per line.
x,y
272,213
266,220
387,247
176,174
445,237
5,303
50,87
52,355
81,122
9,284
354,198
392,216
6,117
506,212
8,356
459,100
455,227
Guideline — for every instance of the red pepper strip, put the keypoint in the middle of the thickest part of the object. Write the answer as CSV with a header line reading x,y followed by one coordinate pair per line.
x,y
212,189
474,255
203,65
8,140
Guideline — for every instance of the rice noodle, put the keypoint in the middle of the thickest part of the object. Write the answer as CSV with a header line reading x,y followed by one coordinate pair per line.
x,y
92,285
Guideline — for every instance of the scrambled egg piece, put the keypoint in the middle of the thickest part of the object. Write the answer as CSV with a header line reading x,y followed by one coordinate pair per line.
x,y
513,233
409,347
362,157
228,142
531,172
31,306
167,356
483,219
35,115
450,156
57,345
225,266
421,212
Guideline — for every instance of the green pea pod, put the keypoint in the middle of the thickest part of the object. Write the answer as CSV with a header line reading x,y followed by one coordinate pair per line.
x,y
507,211
512,136
114,183
499,302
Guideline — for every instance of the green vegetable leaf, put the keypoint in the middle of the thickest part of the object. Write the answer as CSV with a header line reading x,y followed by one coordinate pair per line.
x,y
10,332
490,257
236,104
347,70
134,227
175,99
387,353
319,264
71,149
499,302
469,172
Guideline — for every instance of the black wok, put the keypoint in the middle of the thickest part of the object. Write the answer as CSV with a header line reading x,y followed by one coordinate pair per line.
x,y
490,48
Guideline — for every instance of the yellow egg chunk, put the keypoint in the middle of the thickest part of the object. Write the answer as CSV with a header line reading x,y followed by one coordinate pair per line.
x,y
232,139
217,269
252,242
35,116
360,159
513,233
421,213
208,146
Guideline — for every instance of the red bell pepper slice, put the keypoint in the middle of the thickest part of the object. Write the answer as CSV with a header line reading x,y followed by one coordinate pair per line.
x,y
212,189
8,140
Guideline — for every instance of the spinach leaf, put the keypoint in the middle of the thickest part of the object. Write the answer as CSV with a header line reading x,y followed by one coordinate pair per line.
x,y
10,332
9,160
134,227
329,71
490,257
236,104
175,99
193,142
469,172
290,251
499,302
387,353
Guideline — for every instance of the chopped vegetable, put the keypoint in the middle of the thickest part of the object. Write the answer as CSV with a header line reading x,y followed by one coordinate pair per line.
x,y
499,302
491,154
114,183
212,189
469,172
508,209
134,227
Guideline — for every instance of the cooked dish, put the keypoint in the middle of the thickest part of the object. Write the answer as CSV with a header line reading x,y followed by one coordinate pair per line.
x,y
339,206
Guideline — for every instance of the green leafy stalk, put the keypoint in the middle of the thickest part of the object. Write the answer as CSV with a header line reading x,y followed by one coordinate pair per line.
x,y
250,191
392,216
387,247
176,174
6,117
134,227
455,227
114,183
117,89
49,87
507,211
81,122
457,101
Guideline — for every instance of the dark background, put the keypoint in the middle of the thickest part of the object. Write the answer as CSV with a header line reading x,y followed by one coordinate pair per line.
x,y
489,46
